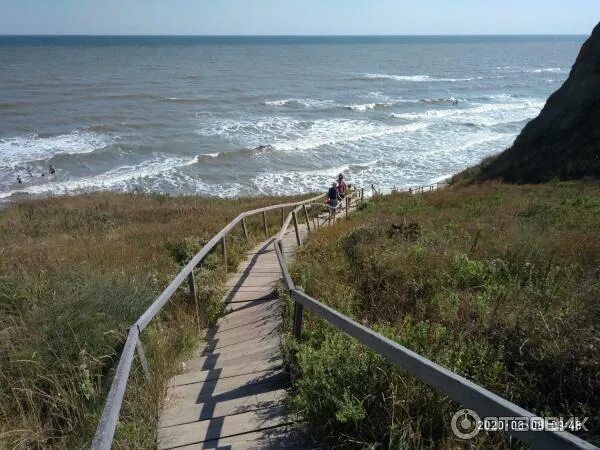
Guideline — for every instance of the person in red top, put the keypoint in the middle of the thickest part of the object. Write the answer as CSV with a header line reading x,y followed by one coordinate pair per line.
x,y
341,186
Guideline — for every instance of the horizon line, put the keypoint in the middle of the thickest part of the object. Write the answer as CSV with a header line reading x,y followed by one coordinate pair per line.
x,y
289,35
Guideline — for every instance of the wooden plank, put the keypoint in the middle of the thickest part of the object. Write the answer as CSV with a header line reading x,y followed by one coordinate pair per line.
x,y
283,437
226,388
265,286
207,430
250,300
199,376
252,280
235,321
208,410
267,352
250,335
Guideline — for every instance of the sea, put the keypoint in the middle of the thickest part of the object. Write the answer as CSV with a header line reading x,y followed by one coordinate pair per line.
x,y
244,116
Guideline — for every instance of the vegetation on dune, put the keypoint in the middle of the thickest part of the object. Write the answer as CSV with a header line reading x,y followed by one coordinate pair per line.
x,y
75,273
496,282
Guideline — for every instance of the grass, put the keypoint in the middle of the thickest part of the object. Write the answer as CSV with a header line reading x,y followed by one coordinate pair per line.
x,y
75,273
499,283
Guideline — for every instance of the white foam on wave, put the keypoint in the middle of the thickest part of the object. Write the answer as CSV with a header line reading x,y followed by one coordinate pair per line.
x,y
484,114
287,134
368,106
305,102
342,131
414,78
278,183
120,178
24,149
543,70
277,102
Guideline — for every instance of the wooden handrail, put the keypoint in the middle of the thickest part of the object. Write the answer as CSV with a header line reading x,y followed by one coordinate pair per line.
x,y
455,386
110,415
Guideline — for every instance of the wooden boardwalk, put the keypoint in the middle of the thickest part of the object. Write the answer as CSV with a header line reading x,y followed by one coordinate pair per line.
x,y
230,395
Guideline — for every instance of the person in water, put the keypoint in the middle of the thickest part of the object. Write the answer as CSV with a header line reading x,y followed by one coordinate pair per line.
x,y
51,169
19,180
333,196
341,186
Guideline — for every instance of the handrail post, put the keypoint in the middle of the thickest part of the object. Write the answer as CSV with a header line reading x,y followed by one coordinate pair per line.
x,y
298,312
282,215
296,227
224,247
307,218
142,356
244,228
194,292
264,214
347,201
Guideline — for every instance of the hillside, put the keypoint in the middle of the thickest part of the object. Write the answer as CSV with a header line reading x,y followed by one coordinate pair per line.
x,y
563,141
497,282
75,273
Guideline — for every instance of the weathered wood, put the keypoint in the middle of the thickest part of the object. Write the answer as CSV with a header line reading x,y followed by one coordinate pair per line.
x,y
224,247
264,215
282,216
194,293
245,228
142,357
176,415
298,310
307,218
110,415
296,227
233,425
199,376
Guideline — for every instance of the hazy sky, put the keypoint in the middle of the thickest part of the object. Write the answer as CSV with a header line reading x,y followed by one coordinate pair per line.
x,y
298,16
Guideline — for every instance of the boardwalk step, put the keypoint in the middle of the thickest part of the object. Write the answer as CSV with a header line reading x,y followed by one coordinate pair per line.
x,y
283,437
266,352
199,376
208,410
216,428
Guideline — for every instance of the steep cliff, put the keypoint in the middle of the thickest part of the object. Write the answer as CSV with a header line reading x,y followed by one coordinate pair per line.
x,y
563,141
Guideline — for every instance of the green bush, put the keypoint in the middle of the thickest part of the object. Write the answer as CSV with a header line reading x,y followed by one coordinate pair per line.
x,y
498,283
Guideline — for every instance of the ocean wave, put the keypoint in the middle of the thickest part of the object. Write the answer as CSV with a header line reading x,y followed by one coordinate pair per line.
x,y
543,70
342,131
414,78
304,102
25,149
120,178
485,114
181,100
368,106
313,180
287,134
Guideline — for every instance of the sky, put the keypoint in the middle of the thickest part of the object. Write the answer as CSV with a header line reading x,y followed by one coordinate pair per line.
x,y
298,17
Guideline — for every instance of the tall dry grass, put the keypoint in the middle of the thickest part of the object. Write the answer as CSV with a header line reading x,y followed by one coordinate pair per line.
x,y
75,273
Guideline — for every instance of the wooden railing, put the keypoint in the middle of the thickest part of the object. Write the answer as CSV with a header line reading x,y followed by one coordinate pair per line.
x,y
110,415
456,387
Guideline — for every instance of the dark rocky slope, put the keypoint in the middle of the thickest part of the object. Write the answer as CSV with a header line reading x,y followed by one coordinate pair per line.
x,y
564,140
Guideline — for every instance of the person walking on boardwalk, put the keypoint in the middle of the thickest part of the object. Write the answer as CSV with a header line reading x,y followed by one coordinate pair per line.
x,y
333,196
341,186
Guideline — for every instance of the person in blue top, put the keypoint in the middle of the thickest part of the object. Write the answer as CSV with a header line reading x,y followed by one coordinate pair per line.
x,y
333,195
